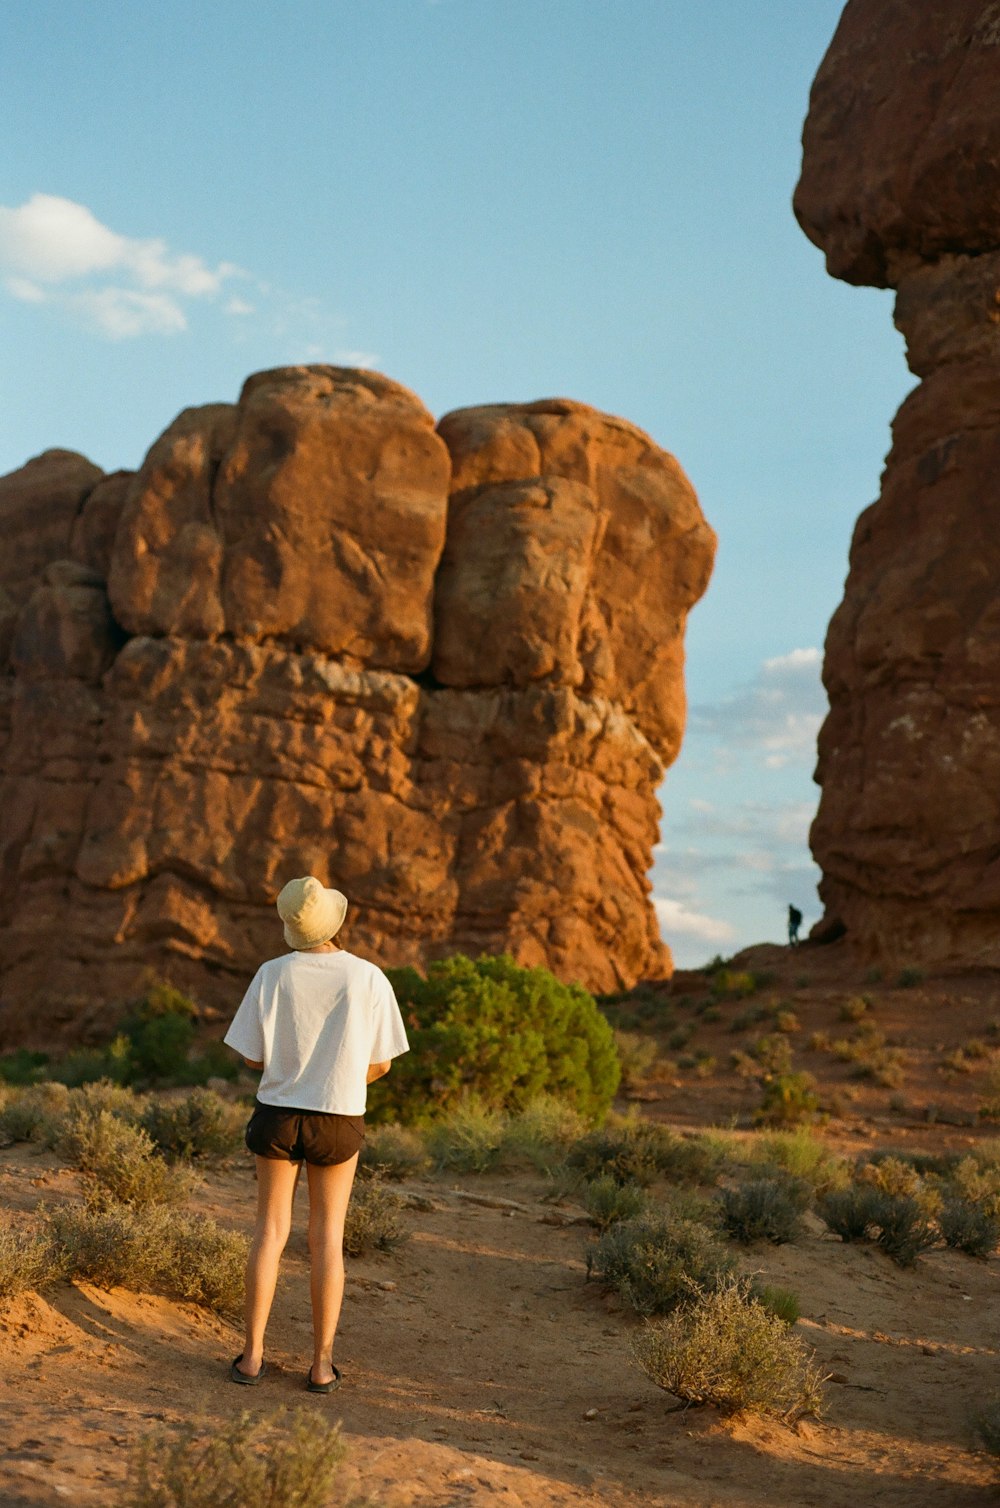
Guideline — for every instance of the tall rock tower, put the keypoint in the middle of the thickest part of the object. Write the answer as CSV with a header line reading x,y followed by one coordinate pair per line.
x,y
900,187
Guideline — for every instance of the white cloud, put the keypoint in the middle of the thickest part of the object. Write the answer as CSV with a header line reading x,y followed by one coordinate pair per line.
x,y
777,715
239,306
366,359
677,918
121,313
55,251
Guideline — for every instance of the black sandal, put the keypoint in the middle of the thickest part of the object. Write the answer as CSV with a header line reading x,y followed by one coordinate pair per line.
x,y
323,1387
242,1377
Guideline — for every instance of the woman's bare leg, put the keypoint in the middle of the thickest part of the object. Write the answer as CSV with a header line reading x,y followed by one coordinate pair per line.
x,y
329,1192
276,1182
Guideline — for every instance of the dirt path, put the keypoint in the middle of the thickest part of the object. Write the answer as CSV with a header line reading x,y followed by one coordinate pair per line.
x,y
481,1367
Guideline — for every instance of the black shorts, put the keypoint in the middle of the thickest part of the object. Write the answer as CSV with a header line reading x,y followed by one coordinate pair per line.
x,y
314,1136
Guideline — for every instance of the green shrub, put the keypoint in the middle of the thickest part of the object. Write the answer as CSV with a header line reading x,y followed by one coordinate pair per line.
x,y
393,1151
149,1248
538,1134
854,1009
632,1150
787,1099
787,1021
656,1261
202,1125
22,1066
28,1260
506,1034
88,1065
849,1212
735,984
32,1114
764,1209
607,1201
373,1222
121,1161
902,1229
280,1462
726,1349
907,978
778,1301
468,1140
773,1053
636,1054
969,1227
801,1154
160,1029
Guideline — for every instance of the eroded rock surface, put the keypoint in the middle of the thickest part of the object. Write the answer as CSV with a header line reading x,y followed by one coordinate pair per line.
x,y
900,186
439,667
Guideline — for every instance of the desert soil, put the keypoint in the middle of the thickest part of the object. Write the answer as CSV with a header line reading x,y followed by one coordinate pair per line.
x,y
480,1366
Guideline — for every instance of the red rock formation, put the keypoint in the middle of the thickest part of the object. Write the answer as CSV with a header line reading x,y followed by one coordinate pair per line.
x,y
900,185
310,657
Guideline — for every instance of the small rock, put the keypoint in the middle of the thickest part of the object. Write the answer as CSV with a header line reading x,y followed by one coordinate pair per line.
x,y
838,1377
590,1413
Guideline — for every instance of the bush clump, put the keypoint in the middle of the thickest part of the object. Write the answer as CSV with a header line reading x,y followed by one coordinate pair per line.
x,y
149,1248
787,1099
393,1151
849,1212
764,1209
969,1227
28,1260
607,1201
632,1150
373,1222
656,1261
468,1140
505,1034
202,1125
902,1228
725,1348
121,1161
33,1114
291,1462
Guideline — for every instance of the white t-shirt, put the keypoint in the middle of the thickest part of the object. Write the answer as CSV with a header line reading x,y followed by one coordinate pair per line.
x,y
316,1021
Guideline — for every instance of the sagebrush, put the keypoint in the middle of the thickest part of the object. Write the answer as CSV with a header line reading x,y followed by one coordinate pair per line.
x,y
725,1348
286,1461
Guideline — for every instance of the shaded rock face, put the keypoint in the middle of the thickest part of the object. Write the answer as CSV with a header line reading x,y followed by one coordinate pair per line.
x,y
439,667
900,185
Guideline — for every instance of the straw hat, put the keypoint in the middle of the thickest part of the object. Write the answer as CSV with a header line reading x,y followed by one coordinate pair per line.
x,y
312,914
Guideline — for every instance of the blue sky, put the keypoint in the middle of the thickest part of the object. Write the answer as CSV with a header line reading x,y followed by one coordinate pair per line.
x,y
488,200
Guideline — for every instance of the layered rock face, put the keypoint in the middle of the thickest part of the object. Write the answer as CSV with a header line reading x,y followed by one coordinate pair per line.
x,y
900,187
440,667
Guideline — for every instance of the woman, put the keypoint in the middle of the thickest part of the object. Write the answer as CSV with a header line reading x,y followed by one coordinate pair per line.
x,y
322,1024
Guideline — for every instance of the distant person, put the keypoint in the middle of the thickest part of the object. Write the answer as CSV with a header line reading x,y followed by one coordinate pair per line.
x,y
322,1025
794,923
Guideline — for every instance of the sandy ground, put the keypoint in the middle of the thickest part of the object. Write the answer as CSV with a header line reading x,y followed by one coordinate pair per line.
x,y
481,1367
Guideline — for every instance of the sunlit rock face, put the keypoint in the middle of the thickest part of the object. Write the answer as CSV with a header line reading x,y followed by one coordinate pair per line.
x,y
441,666
900,187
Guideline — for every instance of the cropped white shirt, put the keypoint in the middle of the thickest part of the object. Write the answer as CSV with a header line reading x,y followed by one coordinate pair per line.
x,y
316,1021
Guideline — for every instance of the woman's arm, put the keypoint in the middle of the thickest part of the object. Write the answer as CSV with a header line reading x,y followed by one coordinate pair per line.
x,y
258,1067
377,1071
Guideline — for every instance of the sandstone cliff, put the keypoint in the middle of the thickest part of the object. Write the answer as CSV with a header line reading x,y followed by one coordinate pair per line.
x,y
900,187
439,666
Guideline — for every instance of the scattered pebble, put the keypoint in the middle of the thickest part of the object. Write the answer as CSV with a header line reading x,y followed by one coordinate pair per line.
x,y
590,1414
